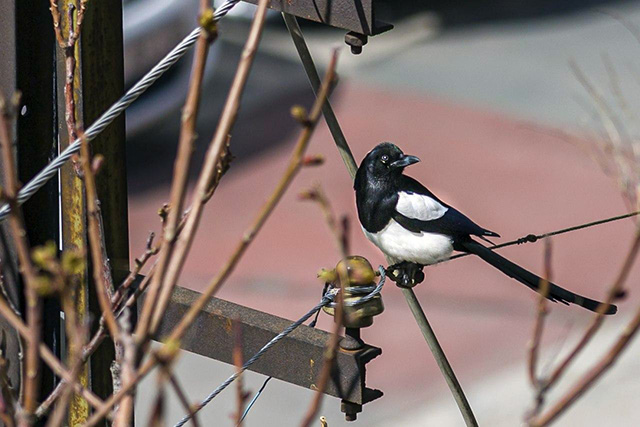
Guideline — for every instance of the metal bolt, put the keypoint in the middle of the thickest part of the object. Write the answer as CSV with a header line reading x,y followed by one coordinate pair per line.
x,y
356,41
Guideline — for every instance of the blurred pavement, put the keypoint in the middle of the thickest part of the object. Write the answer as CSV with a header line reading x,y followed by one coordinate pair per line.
x,y
464,101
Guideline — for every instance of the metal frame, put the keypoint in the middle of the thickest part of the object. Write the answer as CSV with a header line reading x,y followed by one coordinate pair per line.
x,y
211,335
352,15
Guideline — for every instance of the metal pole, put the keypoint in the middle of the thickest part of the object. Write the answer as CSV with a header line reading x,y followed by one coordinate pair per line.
x,y
441,358
314,79
26,43
347,157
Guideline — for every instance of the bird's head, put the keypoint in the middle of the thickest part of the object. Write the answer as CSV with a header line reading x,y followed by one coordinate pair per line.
x,y
386,160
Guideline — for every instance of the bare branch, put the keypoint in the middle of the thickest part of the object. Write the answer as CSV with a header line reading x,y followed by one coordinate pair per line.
x,y
96,241
180,174
187,320
590,378
241,395
534,346
338,231
613,293
182,396
212,160
16,224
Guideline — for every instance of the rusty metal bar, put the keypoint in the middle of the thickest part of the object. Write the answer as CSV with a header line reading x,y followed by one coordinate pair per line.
x,y
99,81
353,15
297,359
73,205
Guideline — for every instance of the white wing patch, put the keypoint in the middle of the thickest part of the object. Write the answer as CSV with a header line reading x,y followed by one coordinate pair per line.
x,y
419,206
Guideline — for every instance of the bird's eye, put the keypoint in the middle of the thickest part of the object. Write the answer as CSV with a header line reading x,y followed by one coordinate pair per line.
x,y
384,159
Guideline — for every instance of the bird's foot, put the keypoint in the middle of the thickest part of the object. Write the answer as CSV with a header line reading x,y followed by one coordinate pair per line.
x,y
406,274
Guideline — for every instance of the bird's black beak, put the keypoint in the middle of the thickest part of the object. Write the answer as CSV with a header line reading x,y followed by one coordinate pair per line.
x,y
404,161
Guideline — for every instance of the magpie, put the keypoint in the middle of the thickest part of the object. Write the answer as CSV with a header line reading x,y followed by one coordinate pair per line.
x,y
414,228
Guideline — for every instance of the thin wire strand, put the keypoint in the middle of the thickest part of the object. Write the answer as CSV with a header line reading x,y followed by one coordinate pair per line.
x,y
532,238
312,324
113,112
328,297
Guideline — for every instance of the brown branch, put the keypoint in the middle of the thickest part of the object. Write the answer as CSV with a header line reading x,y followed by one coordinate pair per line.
x,y
241,395
47,356
126,363
187,320
182,396
100,334
583,384
212,160
338,231
291,171
330,354
96,241
534,346
613,293
589,379
16,224
332,346
74,31
76,335
180,174
55,14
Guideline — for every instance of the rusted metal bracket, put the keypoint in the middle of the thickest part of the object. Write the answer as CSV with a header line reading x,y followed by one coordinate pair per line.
x,y
297,359
356,16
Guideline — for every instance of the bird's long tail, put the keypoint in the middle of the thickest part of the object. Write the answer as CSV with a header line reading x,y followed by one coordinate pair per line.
x,y
556,293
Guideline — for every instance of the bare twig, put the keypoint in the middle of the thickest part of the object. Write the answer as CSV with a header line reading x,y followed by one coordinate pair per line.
x,y
589,379
316,194
55,14
181,169
187,320
96,242
182,396
47,356
329,353
541,313
338,230
212,160
241,395
292,170
613,293
16,224
126,364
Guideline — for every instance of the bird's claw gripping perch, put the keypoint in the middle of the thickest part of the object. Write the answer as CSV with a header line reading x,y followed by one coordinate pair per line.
x,y
406,274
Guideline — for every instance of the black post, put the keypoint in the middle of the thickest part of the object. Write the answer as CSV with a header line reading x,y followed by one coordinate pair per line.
x,y
26,43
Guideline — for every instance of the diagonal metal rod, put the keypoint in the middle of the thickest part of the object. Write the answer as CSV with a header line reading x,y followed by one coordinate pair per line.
x,y
347,157
314,79
441,358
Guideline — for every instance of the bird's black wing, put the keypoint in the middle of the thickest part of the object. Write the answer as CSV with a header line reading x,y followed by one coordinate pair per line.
x,y
452,223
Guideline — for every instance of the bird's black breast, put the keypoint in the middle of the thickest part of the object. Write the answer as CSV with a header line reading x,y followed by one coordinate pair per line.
x,y
376,201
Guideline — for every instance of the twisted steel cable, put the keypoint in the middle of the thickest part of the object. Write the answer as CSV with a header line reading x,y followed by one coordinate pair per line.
x,y
114,111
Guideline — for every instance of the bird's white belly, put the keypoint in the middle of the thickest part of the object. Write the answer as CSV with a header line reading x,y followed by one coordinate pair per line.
x,y
403,245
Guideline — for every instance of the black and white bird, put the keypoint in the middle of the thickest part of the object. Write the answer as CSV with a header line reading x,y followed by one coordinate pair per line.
x,y
415,228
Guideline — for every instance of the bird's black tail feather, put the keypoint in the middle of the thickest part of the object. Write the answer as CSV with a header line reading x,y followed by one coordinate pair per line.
x,y
556,293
